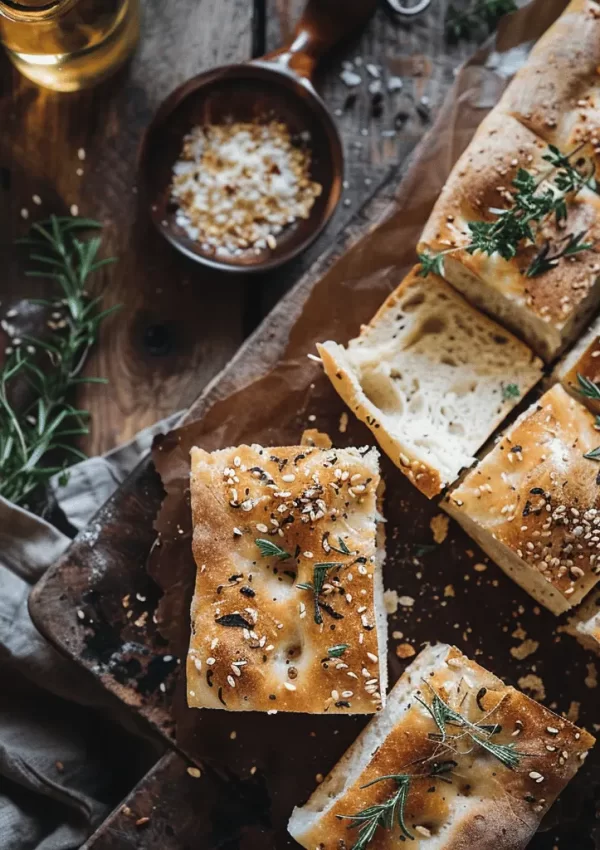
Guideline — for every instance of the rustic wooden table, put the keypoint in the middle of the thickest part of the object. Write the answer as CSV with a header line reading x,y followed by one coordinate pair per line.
x,y
180,323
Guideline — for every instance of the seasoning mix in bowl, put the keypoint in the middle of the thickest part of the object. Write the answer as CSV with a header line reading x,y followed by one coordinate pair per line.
x,y
237,186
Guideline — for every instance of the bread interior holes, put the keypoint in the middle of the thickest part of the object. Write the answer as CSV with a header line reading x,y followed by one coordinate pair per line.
x,y
412,302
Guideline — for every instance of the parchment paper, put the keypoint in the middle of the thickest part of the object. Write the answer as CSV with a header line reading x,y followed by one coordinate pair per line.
x,y
480,610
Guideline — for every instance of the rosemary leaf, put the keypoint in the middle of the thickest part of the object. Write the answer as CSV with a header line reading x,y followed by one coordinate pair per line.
x,y
269,549
50,368
382,815
338,650
588,388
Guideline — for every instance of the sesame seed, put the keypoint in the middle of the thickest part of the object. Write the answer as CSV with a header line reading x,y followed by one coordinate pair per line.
x,y
194,772
262,528
210,661
537,777
289,686
231,681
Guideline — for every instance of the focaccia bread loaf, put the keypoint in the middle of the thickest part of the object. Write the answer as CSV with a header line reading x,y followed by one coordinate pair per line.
x,y
584,360
533,503
585,623
431,377
449,731
556,94
550,309
288,611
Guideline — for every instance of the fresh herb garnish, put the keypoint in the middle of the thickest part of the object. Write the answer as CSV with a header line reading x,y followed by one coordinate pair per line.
x,y
51,367
480,17
594,454
381,814
234,621
338,650
316,585
343,549
518,225
588,388
510,391
268,549
478,733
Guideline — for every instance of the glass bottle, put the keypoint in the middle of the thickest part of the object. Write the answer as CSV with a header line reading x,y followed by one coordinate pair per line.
x,y
68,45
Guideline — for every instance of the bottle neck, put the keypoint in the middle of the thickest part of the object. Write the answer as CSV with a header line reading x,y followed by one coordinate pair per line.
x,y
34,10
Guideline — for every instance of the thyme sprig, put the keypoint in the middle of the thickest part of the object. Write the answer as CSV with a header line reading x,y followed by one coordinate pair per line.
x,y
533,205
479,17
51,368
384,814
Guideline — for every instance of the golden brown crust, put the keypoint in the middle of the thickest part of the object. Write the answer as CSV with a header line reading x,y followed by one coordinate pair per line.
x,y
255,642
583,360
425,477
483,803
556,94
538,495
585,623
481,180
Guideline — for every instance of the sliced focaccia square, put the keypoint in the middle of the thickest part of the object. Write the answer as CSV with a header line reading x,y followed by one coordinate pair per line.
x,y
431,377
545,302
579,370
288,611
585,623
456,760
556,94
533,503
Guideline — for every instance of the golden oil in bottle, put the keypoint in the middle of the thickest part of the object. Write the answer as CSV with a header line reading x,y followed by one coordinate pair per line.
x,y
67,45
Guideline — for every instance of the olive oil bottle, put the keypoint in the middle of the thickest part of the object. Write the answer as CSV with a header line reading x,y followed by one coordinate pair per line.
x,y
67,45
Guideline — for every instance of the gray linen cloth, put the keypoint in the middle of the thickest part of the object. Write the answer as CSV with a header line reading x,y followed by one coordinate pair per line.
x,y
65,759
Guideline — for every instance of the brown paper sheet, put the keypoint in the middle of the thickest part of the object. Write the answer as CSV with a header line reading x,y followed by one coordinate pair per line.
x,y
483,612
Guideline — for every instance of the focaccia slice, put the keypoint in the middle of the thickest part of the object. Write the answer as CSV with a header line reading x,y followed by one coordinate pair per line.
x,y
431,377
288,611
548,310
583,360
477,763
585,623
556,94
533,503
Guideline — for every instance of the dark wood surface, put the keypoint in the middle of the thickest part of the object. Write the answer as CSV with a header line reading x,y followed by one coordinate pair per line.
x,y
180,323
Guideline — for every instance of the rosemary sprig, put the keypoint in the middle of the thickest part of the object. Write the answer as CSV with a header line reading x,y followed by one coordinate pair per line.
x,y
518,225
268,549
480,16
51,368
381,814
478,733
316,585
588,388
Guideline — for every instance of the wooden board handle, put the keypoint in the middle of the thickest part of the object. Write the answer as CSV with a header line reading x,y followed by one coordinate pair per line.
x,y
323,24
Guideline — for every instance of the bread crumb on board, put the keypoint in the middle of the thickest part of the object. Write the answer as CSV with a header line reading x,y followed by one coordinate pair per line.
x,y
343,423
314,437
390,600
439,527
405,650
573,712
591,680
449,590
525,649
534,687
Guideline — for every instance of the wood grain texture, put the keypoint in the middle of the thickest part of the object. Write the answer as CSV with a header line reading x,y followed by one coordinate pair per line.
x,y
415,51
179,324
